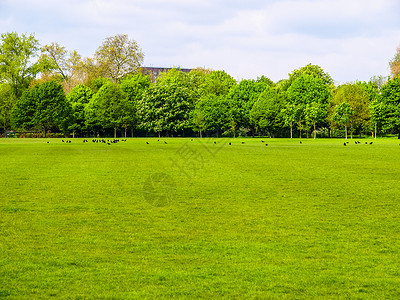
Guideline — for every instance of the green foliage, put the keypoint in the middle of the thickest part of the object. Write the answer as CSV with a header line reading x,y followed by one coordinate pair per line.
x,y
266,81
358,97
165,106
310,70
216,113
23,114
43,107
386,108
97,83
17,55
118,56
310,97
217,83
78,98
243,97
53,109
265,114
106,108
133,86
7,102
342,113
306,90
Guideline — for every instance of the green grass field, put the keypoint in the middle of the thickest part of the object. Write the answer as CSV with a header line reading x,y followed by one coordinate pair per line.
x,y
194,219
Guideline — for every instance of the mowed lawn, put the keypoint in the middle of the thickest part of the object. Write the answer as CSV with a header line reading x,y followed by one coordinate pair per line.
x,y
194,219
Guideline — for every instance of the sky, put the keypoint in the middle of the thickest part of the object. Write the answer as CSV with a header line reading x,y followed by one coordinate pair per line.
x,y
350,39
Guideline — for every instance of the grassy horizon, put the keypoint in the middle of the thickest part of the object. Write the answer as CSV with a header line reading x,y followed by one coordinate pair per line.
x,y
192,219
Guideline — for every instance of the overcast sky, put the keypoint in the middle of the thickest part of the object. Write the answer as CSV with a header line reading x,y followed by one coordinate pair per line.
x,y
350,39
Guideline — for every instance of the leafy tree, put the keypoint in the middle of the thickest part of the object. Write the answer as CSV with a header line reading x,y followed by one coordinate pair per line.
x,y
17,61
173,75
243,97
265,114
7,101
56,55
265,80
106,108
199,121
357,96
215,113
133,86
217,83
97,83
192,80
289,115
43,107
78,98
118,56
395,63
23,114
65,65
165,107
387,106
196,79
310,96
342,114
310,70
378,112
315,112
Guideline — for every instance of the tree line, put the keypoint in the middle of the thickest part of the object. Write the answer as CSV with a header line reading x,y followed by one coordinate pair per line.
x,y
52,90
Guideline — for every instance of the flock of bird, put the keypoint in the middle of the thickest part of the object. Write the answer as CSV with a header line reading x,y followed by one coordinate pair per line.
x,y
103,141
115,141
357,142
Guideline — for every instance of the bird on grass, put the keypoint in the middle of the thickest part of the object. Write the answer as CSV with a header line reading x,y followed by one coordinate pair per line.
x,y
262,141
47,142
165,142
62,141
147,143
344,144
301,142
266,144
242,143
215,143
370,143
230,144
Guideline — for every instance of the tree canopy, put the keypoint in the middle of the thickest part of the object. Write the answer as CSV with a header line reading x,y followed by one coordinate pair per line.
x,y
111,92
118,56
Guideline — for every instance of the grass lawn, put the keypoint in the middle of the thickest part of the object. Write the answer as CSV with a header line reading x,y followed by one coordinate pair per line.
x,y
194,219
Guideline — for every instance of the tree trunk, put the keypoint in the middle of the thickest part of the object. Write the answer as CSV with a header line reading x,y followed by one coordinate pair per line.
x,y
375,129
201,134
315,132
73,134
125,131
291,131
115,132
345,130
